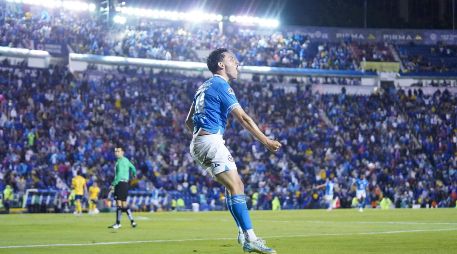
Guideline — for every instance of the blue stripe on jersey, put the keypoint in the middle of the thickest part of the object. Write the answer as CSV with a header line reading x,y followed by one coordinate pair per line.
x,y
213,101
361,184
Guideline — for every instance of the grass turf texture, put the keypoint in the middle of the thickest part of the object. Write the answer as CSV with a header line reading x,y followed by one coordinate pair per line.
x,y
299,231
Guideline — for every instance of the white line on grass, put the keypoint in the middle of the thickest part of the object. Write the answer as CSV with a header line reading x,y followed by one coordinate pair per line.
x,y
364,222
142,218
218,239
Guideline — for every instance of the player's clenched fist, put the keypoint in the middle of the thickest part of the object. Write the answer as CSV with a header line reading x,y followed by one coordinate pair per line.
x,y
273,145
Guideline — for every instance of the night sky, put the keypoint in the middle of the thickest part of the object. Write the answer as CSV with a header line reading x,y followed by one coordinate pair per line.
x,y
426,14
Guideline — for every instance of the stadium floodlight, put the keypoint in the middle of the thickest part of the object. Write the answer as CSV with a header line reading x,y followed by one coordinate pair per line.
x,y
254,21
191,16
92,7
270,23
29,2
75,5
197,16
119,20
68,5
48,3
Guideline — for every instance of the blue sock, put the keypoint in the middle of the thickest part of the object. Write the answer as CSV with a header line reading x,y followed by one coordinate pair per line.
x,y
362,203
240,211
228,201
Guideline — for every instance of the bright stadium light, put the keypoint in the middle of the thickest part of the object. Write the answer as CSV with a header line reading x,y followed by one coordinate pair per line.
x,y
201,16
119,19
92,7
195,16
48,3
67,5
75,5
254,21
191,16
29,2
270,23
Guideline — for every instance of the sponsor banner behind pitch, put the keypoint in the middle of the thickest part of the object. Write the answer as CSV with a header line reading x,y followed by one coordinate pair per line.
x,y
377,35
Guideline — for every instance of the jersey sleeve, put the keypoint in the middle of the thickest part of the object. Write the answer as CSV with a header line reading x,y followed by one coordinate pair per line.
x,y
114,182
132,168
228,98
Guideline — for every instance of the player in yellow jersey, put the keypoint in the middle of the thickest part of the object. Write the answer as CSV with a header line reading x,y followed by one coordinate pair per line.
x,y
78,183
94,190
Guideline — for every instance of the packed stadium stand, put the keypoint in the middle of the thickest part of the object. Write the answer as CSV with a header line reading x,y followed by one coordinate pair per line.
x,y
55,122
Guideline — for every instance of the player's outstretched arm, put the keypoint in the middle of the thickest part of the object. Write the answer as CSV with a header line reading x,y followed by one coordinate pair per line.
x,y
320,186
189,123
249,124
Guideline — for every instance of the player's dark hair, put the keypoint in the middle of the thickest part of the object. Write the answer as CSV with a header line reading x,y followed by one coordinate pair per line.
x,y
119,145
214,58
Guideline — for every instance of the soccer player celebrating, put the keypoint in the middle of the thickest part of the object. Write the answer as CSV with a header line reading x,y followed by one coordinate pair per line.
x,y
120,186
78,184
361,193
94,190
328,192
207,119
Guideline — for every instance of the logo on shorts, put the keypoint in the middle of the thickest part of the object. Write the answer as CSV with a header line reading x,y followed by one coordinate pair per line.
x,y
230,158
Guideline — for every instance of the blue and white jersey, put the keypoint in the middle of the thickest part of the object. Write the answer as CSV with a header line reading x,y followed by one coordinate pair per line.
x,y
362,184
213,101
329,188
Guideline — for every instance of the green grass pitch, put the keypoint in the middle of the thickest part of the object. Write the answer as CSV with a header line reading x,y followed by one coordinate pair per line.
x,y
300,231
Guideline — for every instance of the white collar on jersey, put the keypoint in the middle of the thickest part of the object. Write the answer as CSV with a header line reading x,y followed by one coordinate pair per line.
x,y
221,77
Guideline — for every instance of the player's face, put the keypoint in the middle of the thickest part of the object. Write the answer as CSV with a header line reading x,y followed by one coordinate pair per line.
x,y
118,152
231,65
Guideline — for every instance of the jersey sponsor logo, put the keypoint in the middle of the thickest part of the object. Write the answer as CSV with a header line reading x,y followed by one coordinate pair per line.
x,y
230,158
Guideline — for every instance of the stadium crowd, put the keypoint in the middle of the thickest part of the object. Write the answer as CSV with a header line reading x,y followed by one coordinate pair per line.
x,y
84,33
53,124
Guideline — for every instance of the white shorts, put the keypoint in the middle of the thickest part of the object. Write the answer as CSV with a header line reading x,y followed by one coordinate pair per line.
x,y
212,154
361,194
328,198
